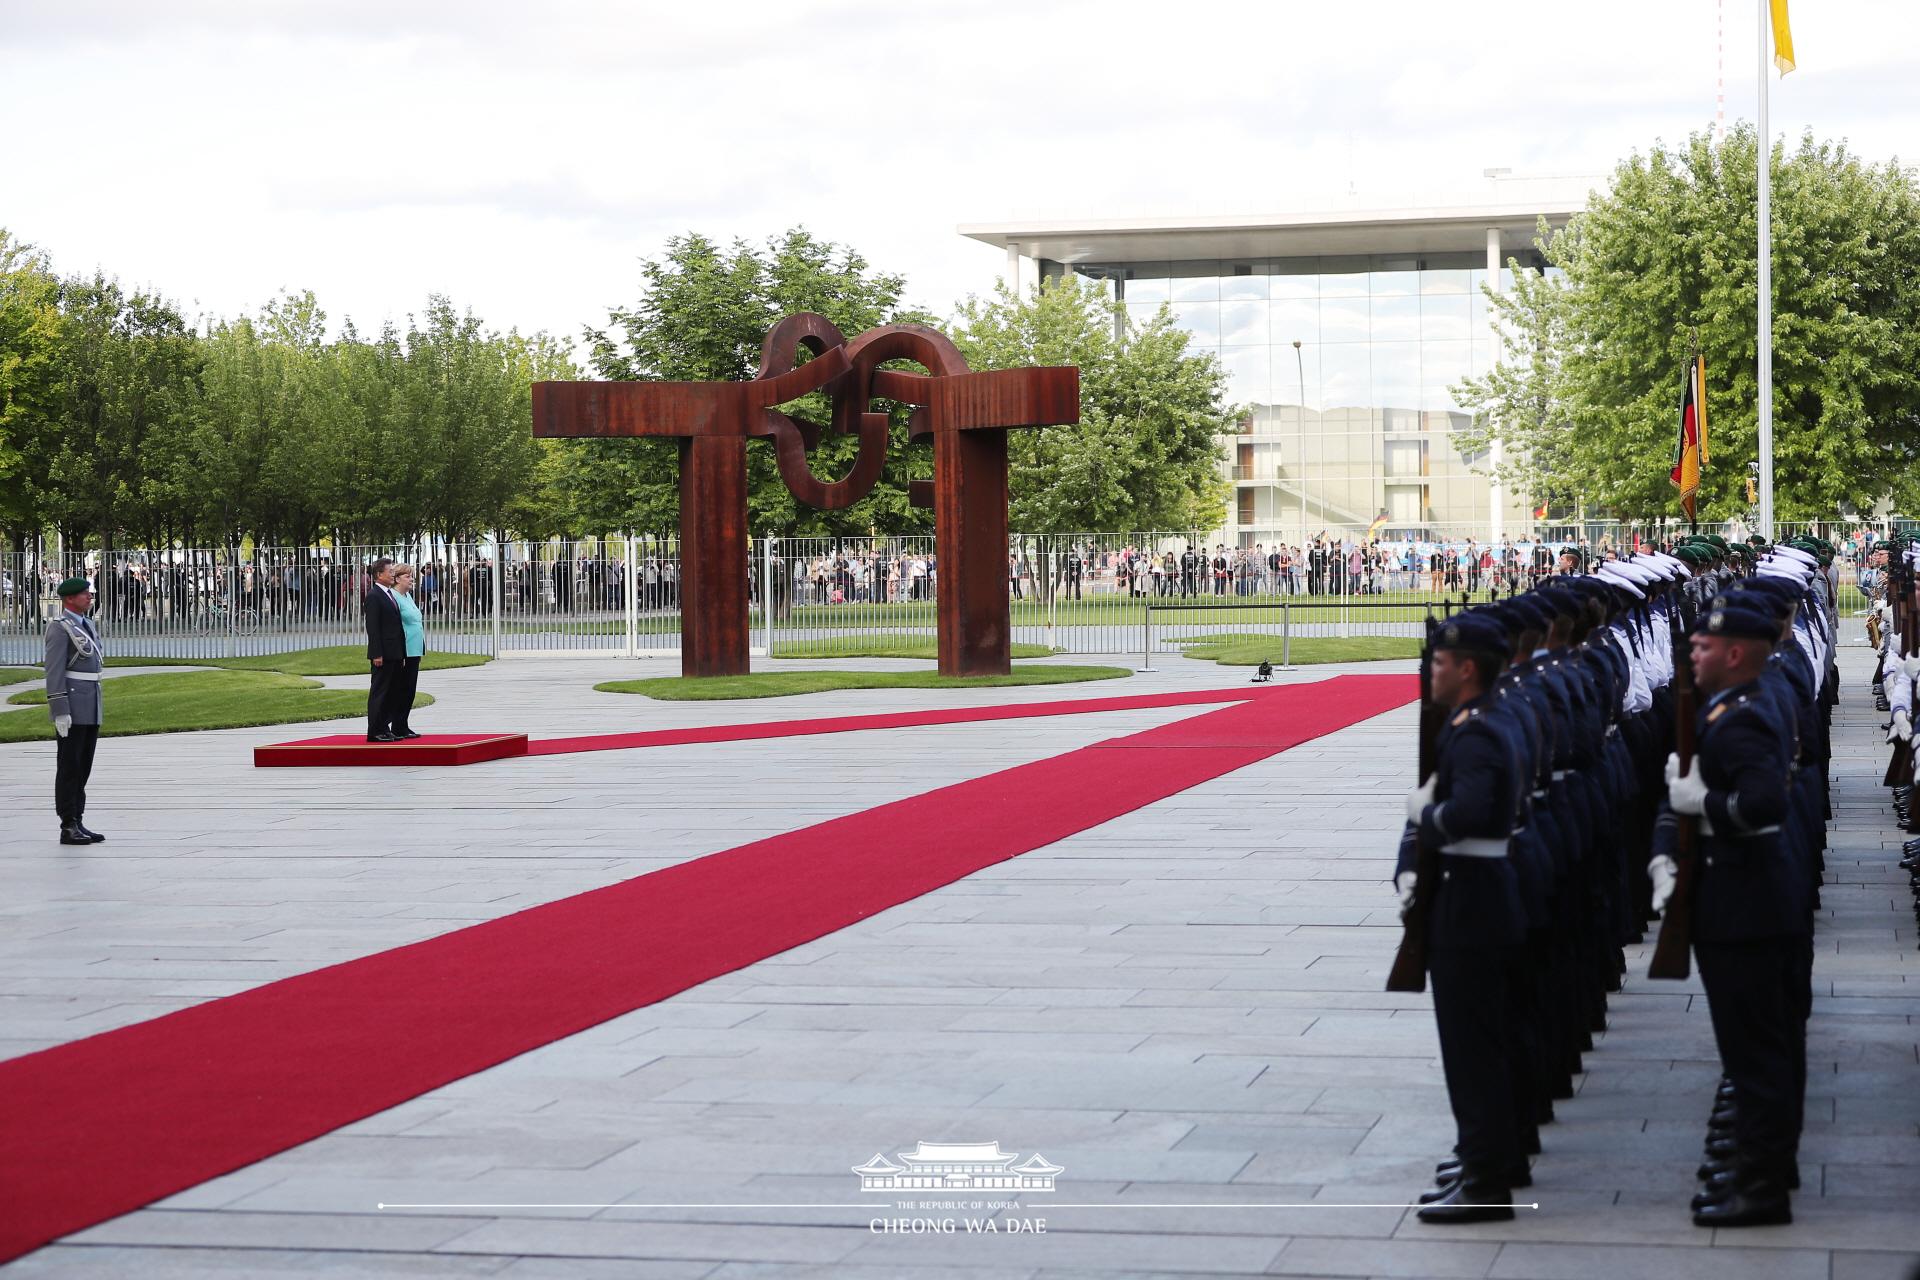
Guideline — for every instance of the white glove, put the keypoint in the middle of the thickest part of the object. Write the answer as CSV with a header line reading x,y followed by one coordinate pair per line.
x,y
1673,766
1403,884
1880,607
1664,872
61,724
1902,727
1419,798
1687,793
1911,666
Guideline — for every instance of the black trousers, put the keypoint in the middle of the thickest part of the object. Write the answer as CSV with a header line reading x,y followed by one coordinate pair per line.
x,y
73,765
405,682
1754,998
380,697
1473,1005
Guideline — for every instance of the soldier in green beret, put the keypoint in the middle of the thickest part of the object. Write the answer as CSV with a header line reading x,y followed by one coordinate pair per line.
x,y
75,659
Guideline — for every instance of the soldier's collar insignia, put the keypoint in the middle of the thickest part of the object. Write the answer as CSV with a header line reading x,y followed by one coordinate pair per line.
x,y
1719,709
1461,718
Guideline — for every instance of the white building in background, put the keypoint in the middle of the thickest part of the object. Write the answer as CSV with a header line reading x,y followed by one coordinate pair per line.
x,y
1344,330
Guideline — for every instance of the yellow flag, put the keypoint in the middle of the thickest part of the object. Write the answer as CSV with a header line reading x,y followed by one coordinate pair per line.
x,y
1782,38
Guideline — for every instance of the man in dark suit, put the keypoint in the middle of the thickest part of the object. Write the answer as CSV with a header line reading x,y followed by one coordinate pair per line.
x,y
386,650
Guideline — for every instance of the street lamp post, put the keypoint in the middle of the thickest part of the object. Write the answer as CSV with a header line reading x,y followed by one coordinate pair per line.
x,y
1300,437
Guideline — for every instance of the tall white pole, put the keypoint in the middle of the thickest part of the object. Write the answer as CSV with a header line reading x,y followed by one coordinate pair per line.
x,y
1765,164
1496,499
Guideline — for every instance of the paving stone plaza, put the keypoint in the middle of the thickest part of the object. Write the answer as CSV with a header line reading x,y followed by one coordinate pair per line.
x,y
1182,1009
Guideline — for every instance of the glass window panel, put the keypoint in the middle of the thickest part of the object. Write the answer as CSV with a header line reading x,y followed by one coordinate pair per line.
x,y
1147,282
1294,278
1243,323
1291,320
1447,317
1477,310
1201,319
1296,380
1197,281
1344,373
1391,283
1449,281
1442,364
1344,320
1343,277
1395,319
1396,375
1247,376
1245,279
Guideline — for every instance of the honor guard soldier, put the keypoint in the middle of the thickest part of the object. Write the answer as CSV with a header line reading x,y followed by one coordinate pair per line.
x,y
74,662
1751,909
1477,923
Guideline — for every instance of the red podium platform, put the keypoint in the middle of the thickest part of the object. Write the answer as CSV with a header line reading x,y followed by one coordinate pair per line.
x,y
353,749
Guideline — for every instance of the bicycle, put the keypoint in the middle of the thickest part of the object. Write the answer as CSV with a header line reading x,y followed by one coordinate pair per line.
x,y
219,616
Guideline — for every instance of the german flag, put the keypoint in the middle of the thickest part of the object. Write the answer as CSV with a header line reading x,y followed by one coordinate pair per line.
x,y
1690,450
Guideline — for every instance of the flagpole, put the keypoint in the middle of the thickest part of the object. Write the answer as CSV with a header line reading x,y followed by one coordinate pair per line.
x,y
1764,165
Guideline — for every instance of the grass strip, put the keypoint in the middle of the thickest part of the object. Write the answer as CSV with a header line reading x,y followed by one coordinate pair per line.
x,y
178,702
784,684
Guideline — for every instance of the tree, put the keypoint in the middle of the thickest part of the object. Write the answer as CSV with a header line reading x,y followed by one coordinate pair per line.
x,y
1147,451
1589,399
703,313
29,340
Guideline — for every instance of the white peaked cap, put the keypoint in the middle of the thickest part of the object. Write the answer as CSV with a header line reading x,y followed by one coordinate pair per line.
x,y
1782,549
1615,578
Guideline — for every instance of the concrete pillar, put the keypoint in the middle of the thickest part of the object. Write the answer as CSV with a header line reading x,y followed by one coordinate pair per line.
x,y
1013,266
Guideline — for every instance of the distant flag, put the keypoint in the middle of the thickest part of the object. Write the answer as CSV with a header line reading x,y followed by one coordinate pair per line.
x,y
1540,512
1689,451
1373,530
1782,38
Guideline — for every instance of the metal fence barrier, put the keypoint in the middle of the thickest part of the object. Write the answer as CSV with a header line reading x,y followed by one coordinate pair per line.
x,y
619,595
1254,627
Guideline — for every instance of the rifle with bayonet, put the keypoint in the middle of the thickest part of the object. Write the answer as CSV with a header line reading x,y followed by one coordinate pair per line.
x,y
1409,972
1671,952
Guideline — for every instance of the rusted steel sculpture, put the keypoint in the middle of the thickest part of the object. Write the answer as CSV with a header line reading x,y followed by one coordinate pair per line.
x,y
966,415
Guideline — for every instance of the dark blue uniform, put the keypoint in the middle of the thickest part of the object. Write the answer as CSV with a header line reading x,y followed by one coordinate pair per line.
x,y
1751,914
1476,931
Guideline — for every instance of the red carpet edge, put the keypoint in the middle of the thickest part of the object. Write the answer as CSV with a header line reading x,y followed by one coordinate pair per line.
x,y
101,1126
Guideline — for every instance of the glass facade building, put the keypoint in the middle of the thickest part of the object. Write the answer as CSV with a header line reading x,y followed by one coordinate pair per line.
x,y
1346,365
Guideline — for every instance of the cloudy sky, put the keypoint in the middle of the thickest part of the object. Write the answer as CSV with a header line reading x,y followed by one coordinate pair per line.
x,y
522,158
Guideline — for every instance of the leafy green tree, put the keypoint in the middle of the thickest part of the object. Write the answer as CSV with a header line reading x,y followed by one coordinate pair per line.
x,y
703,313
1147,451
127,374
30,324
1588,399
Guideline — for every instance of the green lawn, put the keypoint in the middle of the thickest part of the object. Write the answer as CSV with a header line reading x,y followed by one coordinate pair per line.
x,y
331,660
1241,650
14,675
781,684
178,702
863,646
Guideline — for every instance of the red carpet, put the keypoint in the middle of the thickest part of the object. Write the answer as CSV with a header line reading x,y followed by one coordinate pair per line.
x,y
101,1126
889,720
351,750
427,749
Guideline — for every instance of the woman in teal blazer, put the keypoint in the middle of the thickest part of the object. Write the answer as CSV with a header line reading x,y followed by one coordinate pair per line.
x,y
407,679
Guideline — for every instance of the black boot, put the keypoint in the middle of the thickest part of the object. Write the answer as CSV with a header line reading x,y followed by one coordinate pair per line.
x,y
1446,1175
70,834
1754,1199
93,836
1474,1198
